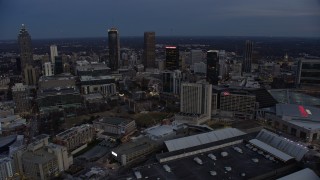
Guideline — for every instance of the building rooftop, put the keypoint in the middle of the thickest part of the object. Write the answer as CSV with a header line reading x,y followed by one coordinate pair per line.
x,y
160,131
73,130
114,121
302,174
200,139
287,96
299,112
133,146
7,140
235,165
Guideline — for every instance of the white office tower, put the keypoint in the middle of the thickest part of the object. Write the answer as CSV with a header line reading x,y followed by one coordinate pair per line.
x,y
196,56
48,69
6,168
53,53
195,103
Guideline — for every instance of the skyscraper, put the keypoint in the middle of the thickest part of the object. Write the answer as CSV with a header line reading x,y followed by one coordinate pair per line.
x,y
58,65
53,53
24,40
114,49
172,58
149,55
213,67
246,66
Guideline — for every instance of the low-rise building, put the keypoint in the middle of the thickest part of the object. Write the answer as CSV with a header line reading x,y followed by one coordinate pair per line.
x,y
115,125
76,137
94,84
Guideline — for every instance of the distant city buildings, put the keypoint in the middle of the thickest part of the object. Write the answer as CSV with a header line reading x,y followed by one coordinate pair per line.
x,y
149,55
172,58
48,69
171,81
114,49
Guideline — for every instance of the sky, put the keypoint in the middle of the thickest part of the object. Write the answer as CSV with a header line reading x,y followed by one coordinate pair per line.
x,y
92,18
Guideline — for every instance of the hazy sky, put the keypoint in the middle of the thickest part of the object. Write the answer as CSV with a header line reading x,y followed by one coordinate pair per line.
x,y
92,18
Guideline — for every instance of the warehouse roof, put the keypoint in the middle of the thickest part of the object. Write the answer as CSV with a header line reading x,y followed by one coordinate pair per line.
x,y
200,139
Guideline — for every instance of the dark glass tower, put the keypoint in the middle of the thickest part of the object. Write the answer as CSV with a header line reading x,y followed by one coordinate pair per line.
x,y
172,58
24,40
149,53
58,65
114,49
213,67
246,66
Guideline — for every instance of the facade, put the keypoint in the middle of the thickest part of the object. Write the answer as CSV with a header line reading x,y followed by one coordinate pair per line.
x,y
171,81
24,40
76,137
196,98
172,58
6,168
114,125
114,49
308,72
41,159
102,84
213,67
68,100
84,68
58,65
196,56
149,50
48,69
30,75
61,80
53,53
195,103
246,65
237,105
20,94
200,68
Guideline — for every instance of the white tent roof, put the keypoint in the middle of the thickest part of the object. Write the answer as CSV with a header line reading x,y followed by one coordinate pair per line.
x,y
275,152
204,138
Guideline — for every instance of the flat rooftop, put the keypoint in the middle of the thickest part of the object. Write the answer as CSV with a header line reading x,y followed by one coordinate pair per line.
x,y
287,96
299,112
114,121
187,168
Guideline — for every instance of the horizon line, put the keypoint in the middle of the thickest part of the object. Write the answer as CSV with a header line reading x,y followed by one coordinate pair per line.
x,y
171,36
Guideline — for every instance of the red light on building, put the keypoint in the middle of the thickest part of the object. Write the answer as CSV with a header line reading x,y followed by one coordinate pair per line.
x,y
303,112
226,93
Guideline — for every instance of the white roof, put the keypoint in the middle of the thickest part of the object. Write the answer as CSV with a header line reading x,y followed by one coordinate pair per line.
x,y
306,173
204,138
291,148
275,152
160,131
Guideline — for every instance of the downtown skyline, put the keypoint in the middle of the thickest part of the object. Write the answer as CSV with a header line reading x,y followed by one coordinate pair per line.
x,y
54,19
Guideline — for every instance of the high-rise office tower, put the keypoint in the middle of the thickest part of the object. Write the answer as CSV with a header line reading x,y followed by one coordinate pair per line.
x,y
114,49
24,40
48,69
196,55
171,81
213,67
172,58
149,54
196,98
246,65
53,52
58,65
